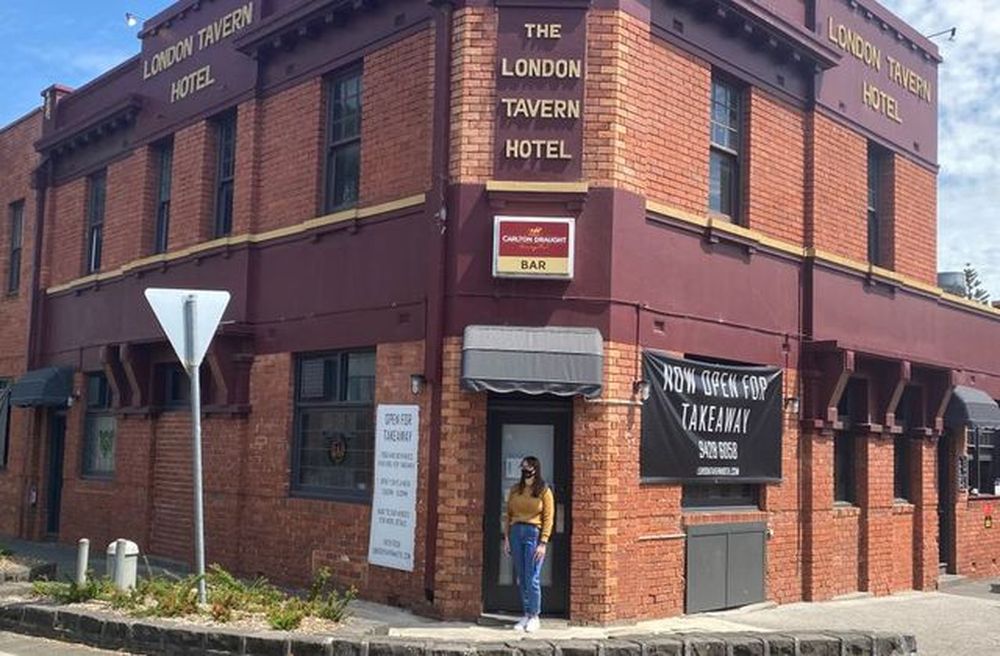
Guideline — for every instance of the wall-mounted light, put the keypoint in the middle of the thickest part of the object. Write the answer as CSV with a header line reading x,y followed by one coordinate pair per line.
x,y
642,388
132,19
792,404
417,383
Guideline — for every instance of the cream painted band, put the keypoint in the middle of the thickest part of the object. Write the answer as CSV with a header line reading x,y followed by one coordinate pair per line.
x,y
538,187
668,211
249,238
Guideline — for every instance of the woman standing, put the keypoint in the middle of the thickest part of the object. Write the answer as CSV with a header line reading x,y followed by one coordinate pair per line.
x,y
527,528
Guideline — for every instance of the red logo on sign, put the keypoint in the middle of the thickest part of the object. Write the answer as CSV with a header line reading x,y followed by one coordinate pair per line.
x,y
525,239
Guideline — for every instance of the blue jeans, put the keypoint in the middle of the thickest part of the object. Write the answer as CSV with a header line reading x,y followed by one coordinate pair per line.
x,y
527,571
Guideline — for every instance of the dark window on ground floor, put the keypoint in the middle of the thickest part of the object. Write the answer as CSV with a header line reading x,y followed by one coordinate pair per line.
x,y
982,472
100,428
334,425
844,463
902,474
720,495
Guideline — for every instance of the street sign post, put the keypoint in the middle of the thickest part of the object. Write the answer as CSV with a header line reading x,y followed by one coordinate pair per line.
x,y
189,318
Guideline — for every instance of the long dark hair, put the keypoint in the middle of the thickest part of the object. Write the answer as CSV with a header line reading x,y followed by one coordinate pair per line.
x,y
538,485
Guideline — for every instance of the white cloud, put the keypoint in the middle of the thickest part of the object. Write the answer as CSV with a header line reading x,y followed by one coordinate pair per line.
x,y
969,135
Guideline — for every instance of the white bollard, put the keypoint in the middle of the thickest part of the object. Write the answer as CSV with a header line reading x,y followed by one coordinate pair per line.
x,y
82,557
120,582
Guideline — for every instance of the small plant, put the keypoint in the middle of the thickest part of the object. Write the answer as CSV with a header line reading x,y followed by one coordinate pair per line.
x,y
287,616
325,601
69,592
229,598
5,552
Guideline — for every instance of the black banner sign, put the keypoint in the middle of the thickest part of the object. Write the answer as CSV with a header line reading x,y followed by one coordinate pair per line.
x,y
710,423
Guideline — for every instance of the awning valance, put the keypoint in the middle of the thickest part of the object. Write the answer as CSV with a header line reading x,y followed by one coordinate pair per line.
x,y
51,387
545,360
973,407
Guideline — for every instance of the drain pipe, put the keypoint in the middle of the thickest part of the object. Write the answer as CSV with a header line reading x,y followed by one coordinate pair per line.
x,y
437,210
41,182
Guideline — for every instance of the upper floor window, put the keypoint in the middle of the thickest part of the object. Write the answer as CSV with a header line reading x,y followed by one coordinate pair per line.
x,y
877,203
164,166
16,239
343,140
97,192
225,127
335,425
100,428
724,153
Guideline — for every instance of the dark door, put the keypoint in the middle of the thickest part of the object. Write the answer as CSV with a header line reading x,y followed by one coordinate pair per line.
x,y
57,443
946,502
516,429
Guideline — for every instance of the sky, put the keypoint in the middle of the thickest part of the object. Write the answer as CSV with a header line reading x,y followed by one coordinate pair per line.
x,y
71,42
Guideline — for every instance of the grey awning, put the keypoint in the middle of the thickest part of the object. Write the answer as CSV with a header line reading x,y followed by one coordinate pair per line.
x,y
547,360
972,407
52,386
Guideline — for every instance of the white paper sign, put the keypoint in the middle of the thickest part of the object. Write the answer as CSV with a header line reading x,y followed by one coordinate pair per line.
x,y
394,504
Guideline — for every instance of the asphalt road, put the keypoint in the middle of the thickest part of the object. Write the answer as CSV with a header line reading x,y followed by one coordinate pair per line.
x,y
12,644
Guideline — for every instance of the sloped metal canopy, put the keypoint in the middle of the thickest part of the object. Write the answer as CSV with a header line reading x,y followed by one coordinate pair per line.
x,y
48,387
970,406
533,360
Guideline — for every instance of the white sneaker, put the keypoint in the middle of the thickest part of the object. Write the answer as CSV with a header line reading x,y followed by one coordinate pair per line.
x,y
532,625
521,623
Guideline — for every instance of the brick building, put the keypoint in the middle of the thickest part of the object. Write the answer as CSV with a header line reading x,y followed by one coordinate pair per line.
x,y
509,215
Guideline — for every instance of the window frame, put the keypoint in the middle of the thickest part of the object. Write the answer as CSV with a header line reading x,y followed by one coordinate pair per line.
x,y
14,253
225,173
97,408
342,357
97,193
333,147
731,155
164,189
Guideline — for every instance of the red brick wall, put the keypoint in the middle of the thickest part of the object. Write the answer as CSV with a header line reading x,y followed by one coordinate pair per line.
x,y
252,523
193,185
875,497
836,214
65,210
979,547
473,94
677,91
128,210
776,168
914,230
17,161
291,133
902,557
396,119
458,579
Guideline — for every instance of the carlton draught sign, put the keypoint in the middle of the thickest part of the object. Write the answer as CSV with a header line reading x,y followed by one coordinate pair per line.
x,y
710,422
533,247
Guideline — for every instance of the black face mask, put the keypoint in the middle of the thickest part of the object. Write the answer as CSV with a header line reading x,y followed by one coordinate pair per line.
x,y
527,473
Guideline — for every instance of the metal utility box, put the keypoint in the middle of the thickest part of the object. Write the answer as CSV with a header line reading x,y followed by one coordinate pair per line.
x,y
725,566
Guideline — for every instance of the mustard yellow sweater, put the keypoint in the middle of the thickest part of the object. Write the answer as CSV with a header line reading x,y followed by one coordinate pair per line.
x,y
527,509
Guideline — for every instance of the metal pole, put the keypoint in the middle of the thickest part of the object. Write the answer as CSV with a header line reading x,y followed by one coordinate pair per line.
x,y
192,369
82,556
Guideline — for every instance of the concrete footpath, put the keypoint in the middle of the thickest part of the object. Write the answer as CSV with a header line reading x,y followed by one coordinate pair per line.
x,y
963,618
